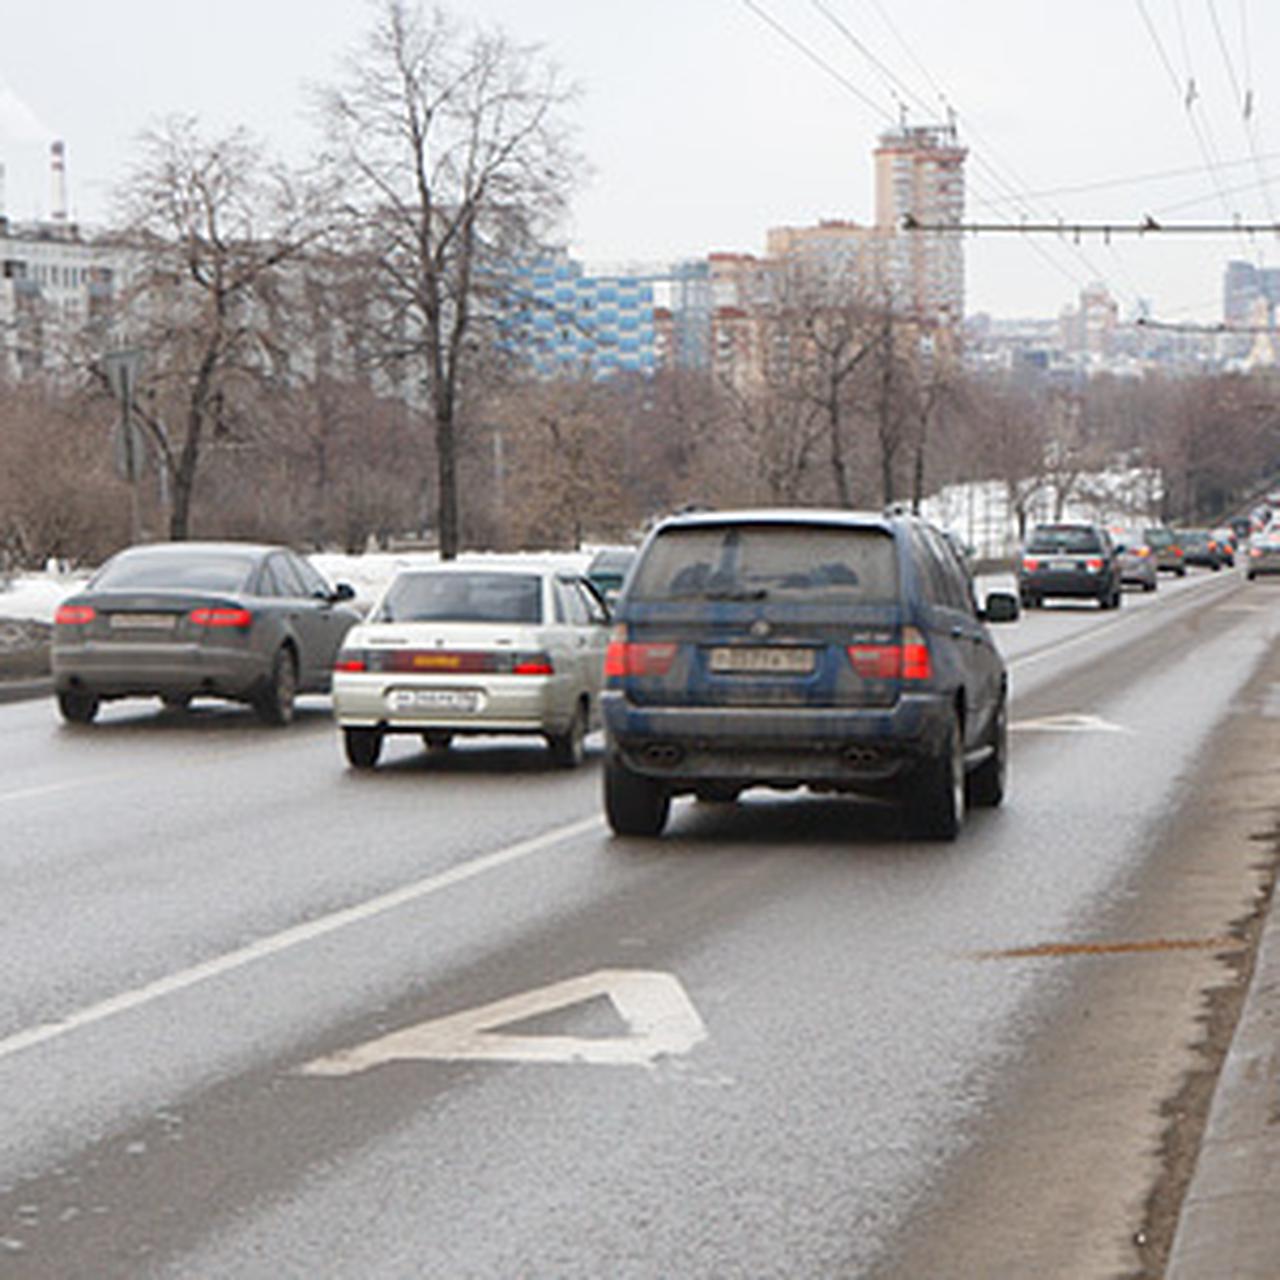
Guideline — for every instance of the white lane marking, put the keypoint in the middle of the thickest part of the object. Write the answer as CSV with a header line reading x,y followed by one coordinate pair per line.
x,y
50,788
292,937
660,1017
1187,597
1070,723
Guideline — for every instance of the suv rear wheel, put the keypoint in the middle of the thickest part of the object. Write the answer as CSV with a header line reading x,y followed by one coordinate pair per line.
x,y
987,782
935,801
635,805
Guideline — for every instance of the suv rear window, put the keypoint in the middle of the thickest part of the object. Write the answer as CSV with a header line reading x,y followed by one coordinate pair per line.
x,y
1064,538
755,561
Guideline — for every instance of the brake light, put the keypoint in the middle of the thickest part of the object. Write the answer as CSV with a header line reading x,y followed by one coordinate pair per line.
x,y
1255,551
74,615
1030,564
908,660
1177,551
533,664
1093,565
350,660
624,657
240,619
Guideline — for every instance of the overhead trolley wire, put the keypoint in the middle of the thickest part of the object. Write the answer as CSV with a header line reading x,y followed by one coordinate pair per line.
x,y
1008,184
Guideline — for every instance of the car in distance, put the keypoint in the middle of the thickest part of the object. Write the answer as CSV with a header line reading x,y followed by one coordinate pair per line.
x,y
783,648
1071,560
608,570
1168,550
1264,554
468,648
1200,549
1225,537
1135,558
180,620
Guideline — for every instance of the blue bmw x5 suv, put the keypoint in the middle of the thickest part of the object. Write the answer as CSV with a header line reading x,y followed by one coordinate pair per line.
x,y
784,648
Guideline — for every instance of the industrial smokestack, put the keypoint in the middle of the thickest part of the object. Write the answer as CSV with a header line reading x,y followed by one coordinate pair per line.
x,y
58,165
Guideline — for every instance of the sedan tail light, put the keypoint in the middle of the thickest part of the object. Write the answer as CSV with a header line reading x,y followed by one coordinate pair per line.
x,y
447,662
74,615
239,619
1093,565
1030,564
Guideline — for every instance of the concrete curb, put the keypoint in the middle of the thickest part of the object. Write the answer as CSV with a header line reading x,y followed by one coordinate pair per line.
x,y
1229,1225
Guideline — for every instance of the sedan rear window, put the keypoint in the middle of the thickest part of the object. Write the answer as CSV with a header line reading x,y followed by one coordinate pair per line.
x,y
1064,538
462,597
753,562
185,571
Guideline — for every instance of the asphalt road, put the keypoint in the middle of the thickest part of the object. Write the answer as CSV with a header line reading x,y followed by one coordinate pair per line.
x,y
245,1026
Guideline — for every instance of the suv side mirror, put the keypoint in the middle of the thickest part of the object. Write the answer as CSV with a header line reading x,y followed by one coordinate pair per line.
x,y
1001,606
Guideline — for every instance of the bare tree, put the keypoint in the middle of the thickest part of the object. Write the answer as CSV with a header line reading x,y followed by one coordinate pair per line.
x,y
456,163
213,227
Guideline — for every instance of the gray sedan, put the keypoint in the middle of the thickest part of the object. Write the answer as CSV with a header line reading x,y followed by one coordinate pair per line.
x,y
251,623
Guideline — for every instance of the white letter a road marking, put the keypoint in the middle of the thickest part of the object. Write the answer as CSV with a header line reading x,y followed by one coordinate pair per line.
x,y
660,1018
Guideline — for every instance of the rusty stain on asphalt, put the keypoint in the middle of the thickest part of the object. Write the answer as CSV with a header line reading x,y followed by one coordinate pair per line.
x,y
1059,949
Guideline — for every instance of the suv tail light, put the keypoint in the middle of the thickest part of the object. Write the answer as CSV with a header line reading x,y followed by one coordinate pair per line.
x,y
906,660
625,657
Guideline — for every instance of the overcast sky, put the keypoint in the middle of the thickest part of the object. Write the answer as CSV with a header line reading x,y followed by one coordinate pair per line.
x,y
705,123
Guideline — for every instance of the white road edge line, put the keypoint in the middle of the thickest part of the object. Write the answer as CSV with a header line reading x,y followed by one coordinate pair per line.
x,y
1054,648
292,937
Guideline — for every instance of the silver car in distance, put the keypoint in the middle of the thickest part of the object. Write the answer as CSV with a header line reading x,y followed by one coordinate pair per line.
x,y
466,648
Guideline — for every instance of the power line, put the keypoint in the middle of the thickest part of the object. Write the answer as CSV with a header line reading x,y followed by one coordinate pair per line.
x,y
978,155
1148,226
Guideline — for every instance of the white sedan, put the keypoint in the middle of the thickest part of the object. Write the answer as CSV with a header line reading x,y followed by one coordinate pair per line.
x,y
474,649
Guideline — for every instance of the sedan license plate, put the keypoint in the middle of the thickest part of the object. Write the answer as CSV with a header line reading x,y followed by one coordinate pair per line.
x,y
773,660
458,700
143,621
1062,566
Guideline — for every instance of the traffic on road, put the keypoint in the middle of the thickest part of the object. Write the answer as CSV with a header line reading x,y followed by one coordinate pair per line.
x,y
269,1009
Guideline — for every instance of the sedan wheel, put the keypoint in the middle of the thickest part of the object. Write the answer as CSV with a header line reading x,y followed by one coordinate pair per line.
x,y
363,747
78,706
176,701
274,704
437,742
568,748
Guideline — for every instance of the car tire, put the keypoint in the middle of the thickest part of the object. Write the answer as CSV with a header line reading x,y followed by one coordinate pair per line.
x,y
1181,571
78,706
175,701
362,747
635,805
936,797
568,749
275,703
437,741
1249,577
986,784
718,793
1149,586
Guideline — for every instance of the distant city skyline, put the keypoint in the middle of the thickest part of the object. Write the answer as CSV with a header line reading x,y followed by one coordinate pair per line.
x,y
709,124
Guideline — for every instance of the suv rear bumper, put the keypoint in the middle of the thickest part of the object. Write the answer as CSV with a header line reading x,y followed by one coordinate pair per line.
x,y
833,747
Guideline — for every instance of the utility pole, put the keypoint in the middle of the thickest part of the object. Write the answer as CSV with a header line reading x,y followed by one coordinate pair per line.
x,y
121,370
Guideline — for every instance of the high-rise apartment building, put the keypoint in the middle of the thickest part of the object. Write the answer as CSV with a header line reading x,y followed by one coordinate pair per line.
x,y
920,176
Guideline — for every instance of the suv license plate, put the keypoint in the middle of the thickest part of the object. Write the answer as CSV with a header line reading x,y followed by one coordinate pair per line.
x,y
463,700
741,660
